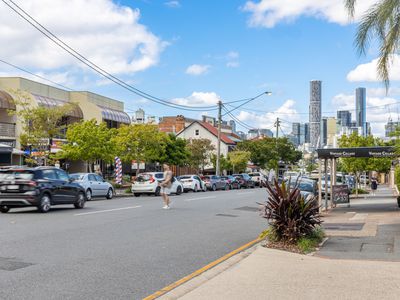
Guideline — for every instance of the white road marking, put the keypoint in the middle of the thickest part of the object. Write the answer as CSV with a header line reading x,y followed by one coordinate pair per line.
x,y
201,198
107,210
245,193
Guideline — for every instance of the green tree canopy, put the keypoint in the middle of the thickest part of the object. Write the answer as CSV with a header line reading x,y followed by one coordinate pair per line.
x,y
200,152
139,142
175,152
89,141
239,160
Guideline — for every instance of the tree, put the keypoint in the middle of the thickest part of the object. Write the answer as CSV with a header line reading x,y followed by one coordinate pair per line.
x,y
356,165
139,142
176,152
239,160
89,141
380,22
39,124
224,163
268,152
200,152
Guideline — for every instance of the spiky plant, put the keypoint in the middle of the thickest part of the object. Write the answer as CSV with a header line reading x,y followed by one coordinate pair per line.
x,y
289,214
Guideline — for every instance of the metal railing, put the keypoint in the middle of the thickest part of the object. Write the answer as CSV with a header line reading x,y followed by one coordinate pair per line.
x,y
7,129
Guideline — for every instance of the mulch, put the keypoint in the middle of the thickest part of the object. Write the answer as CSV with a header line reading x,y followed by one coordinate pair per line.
x,y
282,246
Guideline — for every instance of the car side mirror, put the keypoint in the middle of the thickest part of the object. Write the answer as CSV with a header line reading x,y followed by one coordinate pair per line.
x,y
71,179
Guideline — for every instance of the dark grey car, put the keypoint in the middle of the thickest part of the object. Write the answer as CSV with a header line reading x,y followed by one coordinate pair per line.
x,y
214,182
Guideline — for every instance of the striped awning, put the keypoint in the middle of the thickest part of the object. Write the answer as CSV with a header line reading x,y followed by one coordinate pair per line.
x,y
51,102
114,115
6,101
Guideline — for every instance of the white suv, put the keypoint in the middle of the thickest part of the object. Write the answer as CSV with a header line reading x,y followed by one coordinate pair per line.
x,y
258,178
148,183
192,183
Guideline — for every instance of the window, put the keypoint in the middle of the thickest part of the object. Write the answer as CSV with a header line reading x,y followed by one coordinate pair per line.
x,y
49,174
99,178
91,177
62,175
196,132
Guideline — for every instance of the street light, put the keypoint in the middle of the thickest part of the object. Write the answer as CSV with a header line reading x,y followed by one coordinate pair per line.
x,y
217,167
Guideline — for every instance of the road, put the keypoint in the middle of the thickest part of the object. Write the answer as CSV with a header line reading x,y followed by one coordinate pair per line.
x,y
125,248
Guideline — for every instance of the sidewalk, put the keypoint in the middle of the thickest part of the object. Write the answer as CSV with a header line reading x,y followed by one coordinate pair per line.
x,y
360,260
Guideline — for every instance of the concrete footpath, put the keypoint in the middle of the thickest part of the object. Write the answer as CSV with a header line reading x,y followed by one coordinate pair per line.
x,y
360,260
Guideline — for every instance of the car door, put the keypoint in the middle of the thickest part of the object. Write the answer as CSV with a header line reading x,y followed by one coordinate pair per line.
x,y
54,184
94,185
67,190
103,186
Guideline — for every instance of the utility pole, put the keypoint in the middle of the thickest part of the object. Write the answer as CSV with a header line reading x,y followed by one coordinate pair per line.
x,y
217,167
277,123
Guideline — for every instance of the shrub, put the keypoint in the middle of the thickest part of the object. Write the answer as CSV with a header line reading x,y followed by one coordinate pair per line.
x,y
128,191
289,215
310,242
397,176
360,191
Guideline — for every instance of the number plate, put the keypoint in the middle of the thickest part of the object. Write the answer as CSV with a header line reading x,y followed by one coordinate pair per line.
x,y
13,187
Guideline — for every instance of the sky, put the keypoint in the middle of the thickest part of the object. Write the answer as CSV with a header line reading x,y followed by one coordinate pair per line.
x,y
199,52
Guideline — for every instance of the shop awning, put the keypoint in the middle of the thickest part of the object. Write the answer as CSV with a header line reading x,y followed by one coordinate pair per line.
x,y
4,148
6,101
76,112
115,115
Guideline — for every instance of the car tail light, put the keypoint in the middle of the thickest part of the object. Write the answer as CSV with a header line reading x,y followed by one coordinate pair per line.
x,y
152,179
32,183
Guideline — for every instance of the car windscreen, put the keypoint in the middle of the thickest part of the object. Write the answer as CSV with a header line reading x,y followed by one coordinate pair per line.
x,y
77,177
143,177
185,177
14,174
159,175
303,186
254,174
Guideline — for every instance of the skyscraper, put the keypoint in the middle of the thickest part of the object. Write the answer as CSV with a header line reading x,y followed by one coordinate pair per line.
x,y
344,118
233,125
361,113
296,133
315,114
306,133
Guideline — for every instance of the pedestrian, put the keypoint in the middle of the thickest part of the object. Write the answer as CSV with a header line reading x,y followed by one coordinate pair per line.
x,y
166,186
374,185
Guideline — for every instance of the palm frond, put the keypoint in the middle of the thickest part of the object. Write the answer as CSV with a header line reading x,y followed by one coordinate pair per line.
x,y
350,6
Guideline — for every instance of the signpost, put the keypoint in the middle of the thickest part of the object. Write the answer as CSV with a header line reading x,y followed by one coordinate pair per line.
x,y
340,194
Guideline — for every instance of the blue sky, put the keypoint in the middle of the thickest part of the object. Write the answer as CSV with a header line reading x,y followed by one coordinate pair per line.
x,y
196,52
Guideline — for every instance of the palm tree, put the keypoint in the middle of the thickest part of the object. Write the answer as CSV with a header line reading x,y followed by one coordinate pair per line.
x,y
382,22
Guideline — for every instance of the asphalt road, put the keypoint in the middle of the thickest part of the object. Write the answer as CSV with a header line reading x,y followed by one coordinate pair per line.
x,y
124,248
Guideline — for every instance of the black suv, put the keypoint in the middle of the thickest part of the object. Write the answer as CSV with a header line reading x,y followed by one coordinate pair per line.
x,y
40,187
244,180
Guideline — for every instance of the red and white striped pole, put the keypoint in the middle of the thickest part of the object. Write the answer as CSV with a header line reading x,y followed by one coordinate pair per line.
x,y
118,170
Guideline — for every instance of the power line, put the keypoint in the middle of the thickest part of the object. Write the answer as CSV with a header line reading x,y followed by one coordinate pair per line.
x,y
237,120
247,101
27,17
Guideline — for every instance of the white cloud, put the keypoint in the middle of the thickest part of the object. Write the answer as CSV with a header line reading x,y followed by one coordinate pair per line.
x,y
379,109
199,99
232,64
267,120
197,69
232,55
268,13
111,36
172,4
368,71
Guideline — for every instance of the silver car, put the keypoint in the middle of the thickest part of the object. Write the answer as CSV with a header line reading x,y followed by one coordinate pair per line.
x,y
94,185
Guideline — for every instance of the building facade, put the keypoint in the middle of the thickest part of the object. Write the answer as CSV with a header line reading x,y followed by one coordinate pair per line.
x,y
344,118
361,109
315,114
391,127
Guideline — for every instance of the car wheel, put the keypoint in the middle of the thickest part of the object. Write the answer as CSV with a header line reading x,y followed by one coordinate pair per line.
x,y
157,192
137,194
80,203
226,187
88,195
110,193
45,203
4,209
178,190
214,187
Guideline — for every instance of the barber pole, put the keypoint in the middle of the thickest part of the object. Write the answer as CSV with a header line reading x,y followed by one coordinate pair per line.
x,y
118,170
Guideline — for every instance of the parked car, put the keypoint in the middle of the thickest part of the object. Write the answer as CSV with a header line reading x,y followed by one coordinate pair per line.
x,y
245,180
94,185
258,178
308,188
148,183
192,183
214,182
232,182
41,187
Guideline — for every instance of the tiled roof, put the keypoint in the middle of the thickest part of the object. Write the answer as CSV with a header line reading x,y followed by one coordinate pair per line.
x,y
214,131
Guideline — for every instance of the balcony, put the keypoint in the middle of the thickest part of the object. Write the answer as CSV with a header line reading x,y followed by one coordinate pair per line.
x,y
7,129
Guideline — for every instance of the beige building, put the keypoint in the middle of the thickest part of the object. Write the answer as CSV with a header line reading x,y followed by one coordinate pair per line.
x,y
89,106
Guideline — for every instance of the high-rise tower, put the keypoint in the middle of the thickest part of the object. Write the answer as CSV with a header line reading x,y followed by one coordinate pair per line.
x,y
315,114
361,110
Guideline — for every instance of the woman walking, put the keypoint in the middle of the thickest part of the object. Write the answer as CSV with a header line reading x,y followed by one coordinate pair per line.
x,y
374,186
166,186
